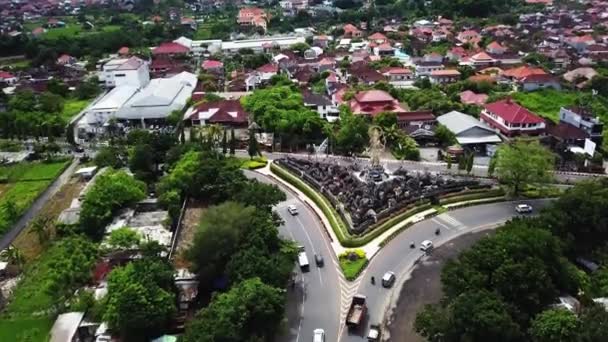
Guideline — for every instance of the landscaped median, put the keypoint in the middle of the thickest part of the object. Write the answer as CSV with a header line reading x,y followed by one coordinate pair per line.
x,y
339,226
353,262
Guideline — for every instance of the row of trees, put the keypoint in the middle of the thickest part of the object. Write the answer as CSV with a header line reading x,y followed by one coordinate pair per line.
x,y
501,288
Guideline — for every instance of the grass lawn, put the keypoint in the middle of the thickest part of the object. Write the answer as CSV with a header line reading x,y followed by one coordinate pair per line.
x,y
72,107
24,182
546,102
36,329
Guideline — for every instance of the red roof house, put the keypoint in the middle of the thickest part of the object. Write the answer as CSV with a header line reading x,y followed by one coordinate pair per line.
x,y
469,97
351,31
373,102
212,65
223,112
171,49
511,119
378,38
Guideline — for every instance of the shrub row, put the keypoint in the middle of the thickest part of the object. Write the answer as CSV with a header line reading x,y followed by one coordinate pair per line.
x,y
474,196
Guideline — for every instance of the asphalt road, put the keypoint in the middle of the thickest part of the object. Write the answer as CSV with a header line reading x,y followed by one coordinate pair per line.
x,y
38,204
397,256
315,301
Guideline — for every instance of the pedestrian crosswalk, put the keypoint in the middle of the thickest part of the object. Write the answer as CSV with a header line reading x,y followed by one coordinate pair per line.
x,y
448,222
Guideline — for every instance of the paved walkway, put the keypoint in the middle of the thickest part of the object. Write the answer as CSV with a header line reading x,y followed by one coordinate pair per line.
x,y
38,204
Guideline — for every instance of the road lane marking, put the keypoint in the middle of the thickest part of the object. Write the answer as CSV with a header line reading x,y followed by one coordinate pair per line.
x,y
320,276
307,236
449,219
441,224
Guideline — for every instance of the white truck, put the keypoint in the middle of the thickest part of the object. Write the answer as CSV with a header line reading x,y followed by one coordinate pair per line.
x,y
303,260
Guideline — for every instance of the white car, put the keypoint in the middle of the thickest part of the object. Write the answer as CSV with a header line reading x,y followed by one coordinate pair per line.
x,y
426,246
388,279
523,208
318,335
292,210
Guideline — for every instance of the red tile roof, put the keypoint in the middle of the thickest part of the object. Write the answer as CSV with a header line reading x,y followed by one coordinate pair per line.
x,y
396,71
373,96
268,68
211,64
469,97
5,75
523,71
494,45
566,131
350,28
377,36
512,112
221,112
170,48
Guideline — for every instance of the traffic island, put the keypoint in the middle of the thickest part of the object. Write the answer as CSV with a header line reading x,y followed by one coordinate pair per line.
x,y
352,263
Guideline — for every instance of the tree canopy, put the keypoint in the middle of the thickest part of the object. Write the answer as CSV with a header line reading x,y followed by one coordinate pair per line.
x,y
523,163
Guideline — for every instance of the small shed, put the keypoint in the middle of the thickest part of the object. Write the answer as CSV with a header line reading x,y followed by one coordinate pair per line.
x,y
65,327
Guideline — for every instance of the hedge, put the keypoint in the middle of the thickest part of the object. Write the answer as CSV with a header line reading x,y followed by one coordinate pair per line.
x,y
338,225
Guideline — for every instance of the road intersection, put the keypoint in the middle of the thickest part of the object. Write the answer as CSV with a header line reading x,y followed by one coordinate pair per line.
x,y
324,305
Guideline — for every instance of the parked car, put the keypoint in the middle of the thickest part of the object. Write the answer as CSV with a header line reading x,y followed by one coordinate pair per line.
x,y
426,246
523,208
388,279
319,260
292,210
318,335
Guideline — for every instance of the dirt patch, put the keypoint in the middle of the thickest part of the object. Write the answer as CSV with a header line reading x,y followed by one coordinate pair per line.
x,y
424,287
192,217
27,241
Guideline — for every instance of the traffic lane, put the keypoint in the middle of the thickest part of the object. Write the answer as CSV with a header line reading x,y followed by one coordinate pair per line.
x,y
398,256
320,284
318,288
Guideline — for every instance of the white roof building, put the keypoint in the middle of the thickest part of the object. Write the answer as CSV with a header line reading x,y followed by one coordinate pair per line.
x,y
467,129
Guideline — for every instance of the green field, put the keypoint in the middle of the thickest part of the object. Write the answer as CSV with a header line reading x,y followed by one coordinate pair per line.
x,y
22,183
72,107
546,102
25,329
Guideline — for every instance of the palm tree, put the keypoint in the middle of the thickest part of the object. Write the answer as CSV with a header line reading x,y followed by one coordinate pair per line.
x,y
213,134
40,227
13,256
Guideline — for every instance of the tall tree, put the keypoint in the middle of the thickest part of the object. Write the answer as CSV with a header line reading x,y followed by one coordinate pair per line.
x,y
523,163
555,325
224,143
232,142
250,311
252,147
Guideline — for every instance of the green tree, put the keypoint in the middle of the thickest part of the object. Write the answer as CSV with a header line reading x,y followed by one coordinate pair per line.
x,y
112,191
232,142
224,143
594,323
252,146
445,136
51,103
385,120
124,238
351,137
250,311
141,163
555,325
523,163
141,300
109,156
40,227
260,195
217,238
470,158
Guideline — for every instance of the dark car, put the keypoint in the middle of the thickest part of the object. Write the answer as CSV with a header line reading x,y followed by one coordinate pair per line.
x,y
319,260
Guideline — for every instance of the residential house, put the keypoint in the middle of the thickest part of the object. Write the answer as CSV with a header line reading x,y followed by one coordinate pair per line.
x,y
230,114
66,59
457,53
480,59
189,23
584,119
471,37
266,71
253,16
365,74
384,50
469,131
471,98
7,78
511,119
444,76
538,81
580,76
165,67
424,69
580,43
518,74
321,41
213,66
351,31
378,38
170,49
321,104
398,77
495,48
373,102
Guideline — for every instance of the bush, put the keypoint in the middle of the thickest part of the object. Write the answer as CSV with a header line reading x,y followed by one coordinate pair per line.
x,y
353,262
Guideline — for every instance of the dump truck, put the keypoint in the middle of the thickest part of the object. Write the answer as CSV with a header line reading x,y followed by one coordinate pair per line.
x,y
357,311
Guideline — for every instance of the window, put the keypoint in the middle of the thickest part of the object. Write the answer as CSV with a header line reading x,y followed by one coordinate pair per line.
x,y
120,75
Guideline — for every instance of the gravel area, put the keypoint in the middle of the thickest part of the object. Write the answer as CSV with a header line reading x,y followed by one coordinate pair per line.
x,y
424,287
